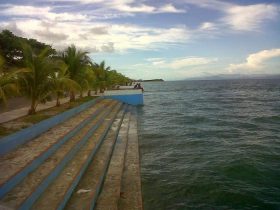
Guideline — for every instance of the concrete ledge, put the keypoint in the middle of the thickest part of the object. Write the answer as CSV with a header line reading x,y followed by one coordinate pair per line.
x,y
131,180
68,157
133,99
12,141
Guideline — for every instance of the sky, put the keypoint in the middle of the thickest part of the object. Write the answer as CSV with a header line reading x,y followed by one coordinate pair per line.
x,y
147,39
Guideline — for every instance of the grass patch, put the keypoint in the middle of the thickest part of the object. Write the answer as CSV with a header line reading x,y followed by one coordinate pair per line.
x,y
28,120
6,131
35,118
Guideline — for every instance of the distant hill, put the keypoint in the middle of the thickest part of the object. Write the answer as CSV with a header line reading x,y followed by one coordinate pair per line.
x,y
236,76
151,80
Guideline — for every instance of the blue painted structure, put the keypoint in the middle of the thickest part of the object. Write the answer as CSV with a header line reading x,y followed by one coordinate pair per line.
x,y
133,99
12,141
129,96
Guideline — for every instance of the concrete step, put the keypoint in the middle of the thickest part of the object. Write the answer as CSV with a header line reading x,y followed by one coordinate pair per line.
x,y
33,185
110,194
60,190
91,162
11,142
16,165
87,191
130,195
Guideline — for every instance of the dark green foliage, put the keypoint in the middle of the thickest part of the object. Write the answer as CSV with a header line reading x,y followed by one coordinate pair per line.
x,y
35,70
77,62
12,50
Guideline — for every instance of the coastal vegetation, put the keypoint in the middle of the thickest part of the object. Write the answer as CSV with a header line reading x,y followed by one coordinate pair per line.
x,y
15,125
35,70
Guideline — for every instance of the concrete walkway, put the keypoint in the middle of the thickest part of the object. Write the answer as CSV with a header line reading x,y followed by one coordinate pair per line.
x,y
14,114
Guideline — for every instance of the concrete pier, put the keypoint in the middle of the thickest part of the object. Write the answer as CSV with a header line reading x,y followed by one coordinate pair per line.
x,y
87,161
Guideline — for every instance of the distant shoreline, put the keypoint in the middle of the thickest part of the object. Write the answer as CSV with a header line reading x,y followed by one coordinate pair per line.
x,y
151,80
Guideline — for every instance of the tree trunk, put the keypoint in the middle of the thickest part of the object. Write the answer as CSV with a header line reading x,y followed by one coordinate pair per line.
x,y
96,91
72,96
32,109
57,101
89,93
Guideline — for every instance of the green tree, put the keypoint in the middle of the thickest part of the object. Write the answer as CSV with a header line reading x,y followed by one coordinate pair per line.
x,y
77,62
101,75
91,79
36,81
61,82
8,83
114,78
12,49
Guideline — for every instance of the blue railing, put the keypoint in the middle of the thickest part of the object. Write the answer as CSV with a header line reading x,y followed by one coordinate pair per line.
x,y
12,141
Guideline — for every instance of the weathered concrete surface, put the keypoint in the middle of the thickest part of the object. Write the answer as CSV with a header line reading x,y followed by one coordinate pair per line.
x,y
109,197
53,196
122,185
16,160
131,196
20,193
89,186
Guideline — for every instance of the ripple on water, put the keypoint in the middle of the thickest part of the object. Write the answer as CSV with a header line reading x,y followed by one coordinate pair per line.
x,y
211,145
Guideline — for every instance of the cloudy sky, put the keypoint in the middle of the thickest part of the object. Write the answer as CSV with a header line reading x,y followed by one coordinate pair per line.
x,y
169,39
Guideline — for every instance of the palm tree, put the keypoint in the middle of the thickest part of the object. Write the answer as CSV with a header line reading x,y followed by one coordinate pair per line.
x,y
8,83
77,62
61,81
36,80
90,79
101,73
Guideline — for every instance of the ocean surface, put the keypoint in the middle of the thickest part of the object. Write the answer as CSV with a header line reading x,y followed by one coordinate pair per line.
x,y
210,145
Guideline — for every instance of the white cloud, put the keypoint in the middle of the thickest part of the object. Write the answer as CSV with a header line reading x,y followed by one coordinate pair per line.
x,y
108,47
61,28
212,4
255,61
191,61
249,18
179,63
99,30
142,8
130,6
98,36
169,8
208,26
41,13
14,10
239,17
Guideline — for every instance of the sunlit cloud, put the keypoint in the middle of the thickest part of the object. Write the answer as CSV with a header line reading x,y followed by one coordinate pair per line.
x,y
98,36
40,13
170,8
208,26
255,61
237,17
168,31
251,17
179,63
130,6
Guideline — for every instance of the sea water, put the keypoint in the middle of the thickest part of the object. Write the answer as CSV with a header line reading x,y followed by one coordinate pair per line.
x,y
210,144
